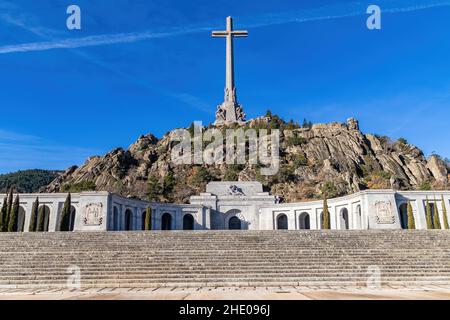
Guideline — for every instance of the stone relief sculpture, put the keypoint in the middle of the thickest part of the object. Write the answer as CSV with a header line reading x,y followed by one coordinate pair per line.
x,y
236,191
384,214
93,214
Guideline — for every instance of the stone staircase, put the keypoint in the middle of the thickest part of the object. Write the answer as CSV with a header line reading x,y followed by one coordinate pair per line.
x,y
226,258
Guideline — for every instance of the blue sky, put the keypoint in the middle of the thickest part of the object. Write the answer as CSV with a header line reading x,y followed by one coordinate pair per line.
x,y
149,66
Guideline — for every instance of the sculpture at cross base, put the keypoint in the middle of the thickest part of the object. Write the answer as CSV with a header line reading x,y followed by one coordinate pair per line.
x,y
230,111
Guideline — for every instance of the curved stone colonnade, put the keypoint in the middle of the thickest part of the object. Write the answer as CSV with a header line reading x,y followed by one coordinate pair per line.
x,y
249,209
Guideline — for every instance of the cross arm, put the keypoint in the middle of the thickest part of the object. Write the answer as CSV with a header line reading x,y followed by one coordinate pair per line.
x,y
240,33
219,34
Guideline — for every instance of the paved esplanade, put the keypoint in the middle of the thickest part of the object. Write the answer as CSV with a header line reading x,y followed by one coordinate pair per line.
x,y
230,111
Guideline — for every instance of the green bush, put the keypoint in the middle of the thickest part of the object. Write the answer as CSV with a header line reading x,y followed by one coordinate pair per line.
x,y
148,219
436,220
12,224
295,141
444,213
34,215
201,176
428,215
65,214
411,220
79,187
326,225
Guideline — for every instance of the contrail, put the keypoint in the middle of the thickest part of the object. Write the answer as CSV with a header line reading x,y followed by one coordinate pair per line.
x,y
315,14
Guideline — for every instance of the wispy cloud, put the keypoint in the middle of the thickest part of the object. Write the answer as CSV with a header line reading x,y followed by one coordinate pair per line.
x,y
314,14
22,151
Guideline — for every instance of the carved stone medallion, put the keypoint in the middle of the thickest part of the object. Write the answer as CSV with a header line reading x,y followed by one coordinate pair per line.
x,y
93,215
384,214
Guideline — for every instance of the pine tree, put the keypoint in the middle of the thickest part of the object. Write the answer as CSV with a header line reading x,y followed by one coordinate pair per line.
x,y
428,215
3,215
325,215
411,220
444,213
65,214
148,219
153,188
8,209
12,224
436,220
40,219
34,215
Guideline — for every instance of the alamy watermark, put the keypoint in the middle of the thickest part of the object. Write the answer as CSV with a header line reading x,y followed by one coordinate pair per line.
x,y
230,146
74,277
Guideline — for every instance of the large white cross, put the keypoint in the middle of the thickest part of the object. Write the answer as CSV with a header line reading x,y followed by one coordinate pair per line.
x,y
230,90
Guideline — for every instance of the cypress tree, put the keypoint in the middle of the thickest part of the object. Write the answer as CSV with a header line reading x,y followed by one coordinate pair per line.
x,y
411,220
65,214
3,215
428,215
12,224
326,215
8,209
444,213
436,220
148,219
40,219
34,215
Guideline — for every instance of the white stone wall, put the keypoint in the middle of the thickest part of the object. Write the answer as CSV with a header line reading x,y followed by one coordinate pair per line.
x,y
370,209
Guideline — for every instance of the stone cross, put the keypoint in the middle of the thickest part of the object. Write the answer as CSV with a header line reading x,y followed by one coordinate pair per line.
x,y
230,111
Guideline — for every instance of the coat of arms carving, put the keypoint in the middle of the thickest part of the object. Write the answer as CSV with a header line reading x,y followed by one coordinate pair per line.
x,y
384,214
93,215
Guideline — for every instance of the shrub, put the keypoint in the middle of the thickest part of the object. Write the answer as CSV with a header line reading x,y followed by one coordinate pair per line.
x,y
148,219
65,215
154,188
436,220
428,215
329,190
444,213
300,161
12,224
295,141
201,176
425,186
3,214
411,221
79,187
325,215
40,219
34,215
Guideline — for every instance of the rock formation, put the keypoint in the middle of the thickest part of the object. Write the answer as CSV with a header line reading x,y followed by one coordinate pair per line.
x,y
335,158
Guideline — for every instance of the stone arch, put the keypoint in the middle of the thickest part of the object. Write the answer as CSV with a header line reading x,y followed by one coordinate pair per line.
x,y
143,215
188,222
320,220
232,220
282,222
432,213
304,221
128,220
166,221
116,219
358,217
234,223
45,219
344,219
403,214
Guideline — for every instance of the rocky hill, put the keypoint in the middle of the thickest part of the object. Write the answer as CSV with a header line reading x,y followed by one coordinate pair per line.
x,y
335,159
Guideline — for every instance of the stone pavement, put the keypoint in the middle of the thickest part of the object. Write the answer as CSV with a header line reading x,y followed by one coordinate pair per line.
x,y
231,293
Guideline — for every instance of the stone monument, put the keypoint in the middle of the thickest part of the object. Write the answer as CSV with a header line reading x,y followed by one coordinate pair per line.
x,y
230,111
